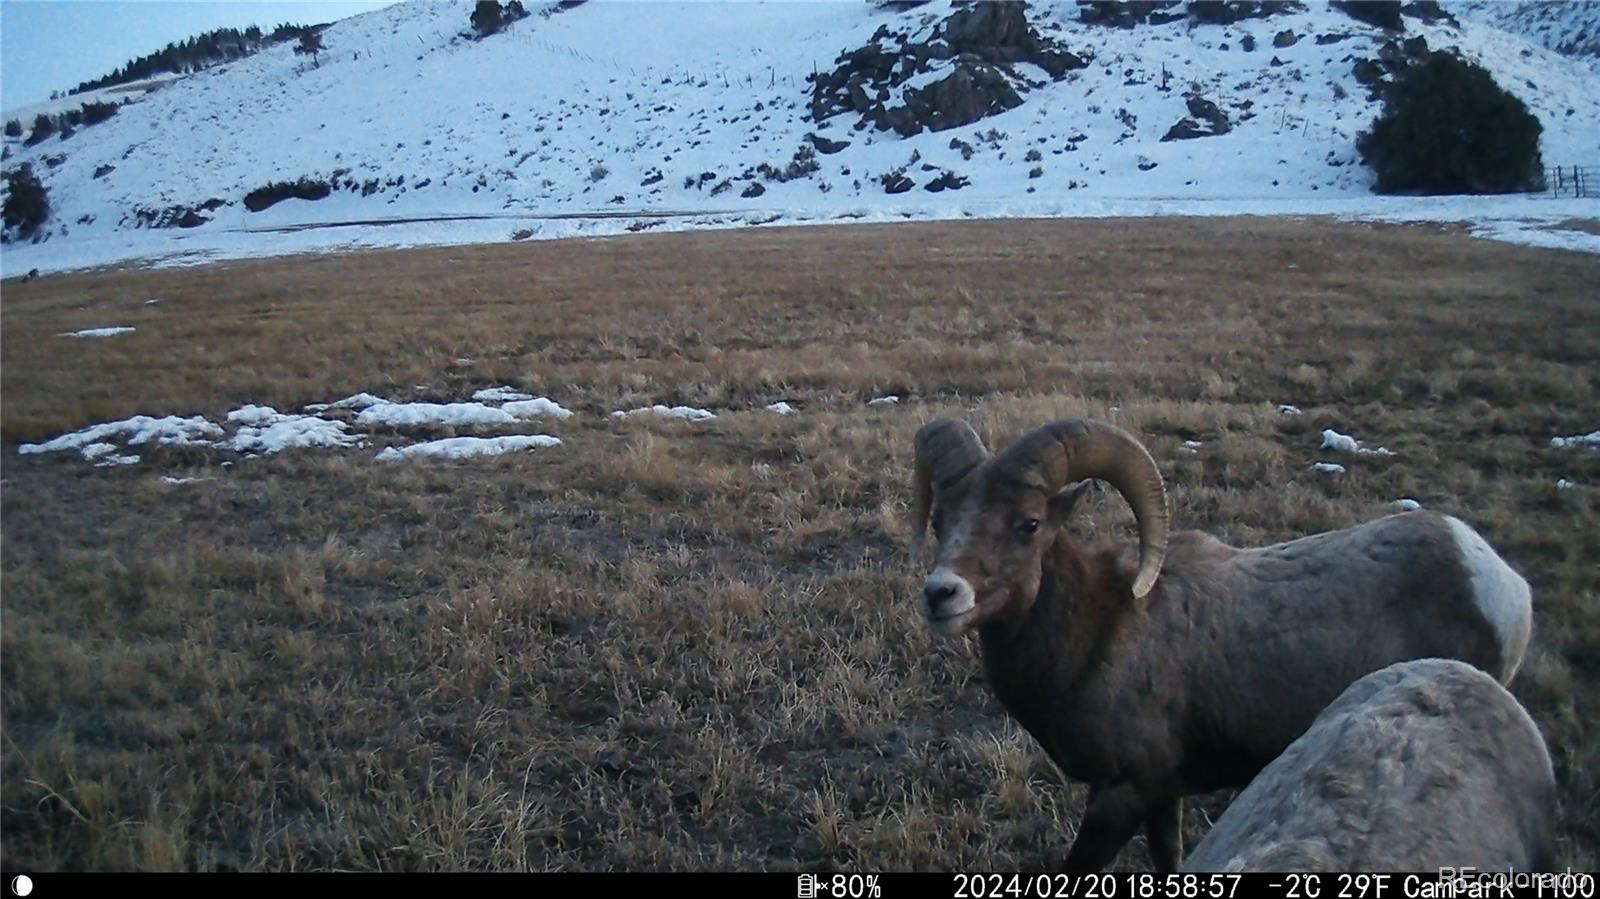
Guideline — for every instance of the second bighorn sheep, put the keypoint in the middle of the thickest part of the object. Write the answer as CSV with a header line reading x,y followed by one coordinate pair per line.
x,y
1423,766
1182,665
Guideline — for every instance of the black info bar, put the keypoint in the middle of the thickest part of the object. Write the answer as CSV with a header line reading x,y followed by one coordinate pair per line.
x,y
1445,884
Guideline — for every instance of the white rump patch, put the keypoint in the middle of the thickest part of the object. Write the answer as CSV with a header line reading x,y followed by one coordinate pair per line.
x,y
1502,596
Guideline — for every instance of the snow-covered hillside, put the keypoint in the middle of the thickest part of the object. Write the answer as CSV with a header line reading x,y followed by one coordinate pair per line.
x,y
1570,27
614,116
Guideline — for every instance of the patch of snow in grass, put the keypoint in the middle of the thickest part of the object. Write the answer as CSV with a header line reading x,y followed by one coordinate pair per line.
x,y
687,413
1538,234
1286,409
110,461
98,332
1565,484
169,479
1329,467
498,394
1575,441
1191,446
254,415
890,400
464,447
534,407
415,414
358,401
1408,504
1344,443
139,429
781,407
289,432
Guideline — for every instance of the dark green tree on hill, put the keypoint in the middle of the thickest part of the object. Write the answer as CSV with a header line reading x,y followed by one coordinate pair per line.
x,y
27,206
310,44
1447,128
43,127
195,53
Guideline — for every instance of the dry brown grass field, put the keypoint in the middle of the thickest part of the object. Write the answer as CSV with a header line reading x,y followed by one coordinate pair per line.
x,y
665,645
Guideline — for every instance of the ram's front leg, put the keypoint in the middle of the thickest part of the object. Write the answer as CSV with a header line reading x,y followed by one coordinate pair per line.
x,y
1113,816
1163,829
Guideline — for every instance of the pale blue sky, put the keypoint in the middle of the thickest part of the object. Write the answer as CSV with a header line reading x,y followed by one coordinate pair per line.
x,y
53,45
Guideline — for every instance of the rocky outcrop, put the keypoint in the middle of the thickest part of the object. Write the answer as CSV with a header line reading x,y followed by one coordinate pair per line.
x,y
947,180
1382,13
973,90
896,183
962,72
1393,56
999,33
1128,13
1204,120
177,216
1221,12
824,146
1429,11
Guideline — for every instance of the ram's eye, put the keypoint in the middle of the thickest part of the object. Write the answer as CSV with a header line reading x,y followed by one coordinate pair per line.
x,y
1028,528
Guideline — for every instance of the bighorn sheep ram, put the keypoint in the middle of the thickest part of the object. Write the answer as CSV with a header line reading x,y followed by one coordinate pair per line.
x,y
1421,766
1185,665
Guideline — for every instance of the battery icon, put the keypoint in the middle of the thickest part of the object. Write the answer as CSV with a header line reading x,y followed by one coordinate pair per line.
x,y
807,887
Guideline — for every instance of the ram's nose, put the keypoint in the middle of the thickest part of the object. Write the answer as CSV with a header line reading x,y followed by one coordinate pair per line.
x,y
934,596
947,599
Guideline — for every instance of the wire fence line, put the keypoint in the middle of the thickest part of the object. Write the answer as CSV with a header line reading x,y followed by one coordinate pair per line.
x,y
451,42
1572,181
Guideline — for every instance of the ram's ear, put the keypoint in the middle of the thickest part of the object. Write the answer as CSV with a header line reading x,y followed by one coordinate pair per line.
x,y
1062,504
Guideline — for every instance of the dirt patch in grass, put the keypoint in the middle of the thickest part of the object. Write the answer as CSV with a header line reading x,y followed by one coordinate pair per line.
x,y
1587,226
676,645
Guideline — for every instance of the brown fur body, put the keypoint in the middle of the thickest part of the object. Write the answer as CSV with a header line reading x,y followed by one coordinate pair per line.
x,y
1231,646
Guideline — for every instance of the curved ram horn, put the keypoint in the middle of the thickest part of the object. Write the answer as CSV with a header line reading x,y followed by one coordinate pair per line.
x,y
947,451
1052,456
